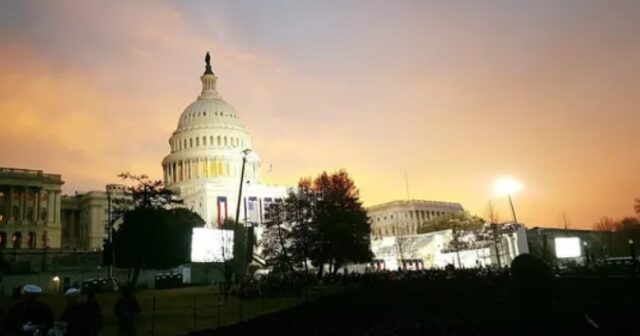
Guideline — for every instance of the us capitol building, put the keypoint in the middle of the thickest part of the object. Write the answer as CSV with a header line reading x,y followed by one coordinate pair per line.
x,y
206,157
204,164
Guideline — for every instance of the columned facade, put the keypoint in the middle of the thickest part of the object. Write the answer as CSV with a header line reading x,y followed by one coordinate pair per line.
x,y
29,208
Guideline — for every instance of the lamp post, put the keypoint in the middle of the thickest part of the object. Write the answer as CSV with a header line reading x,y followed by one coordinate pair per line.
x,y
244,161
632,252
109,238
586,252
507,187
513,209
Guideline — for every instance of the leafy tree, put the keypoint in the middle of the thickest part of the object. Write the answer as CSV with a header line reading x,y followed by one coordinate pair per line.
x,y
628,229
456,221
636,206
322,222
239,261
607,226
342,232
277,238
151,233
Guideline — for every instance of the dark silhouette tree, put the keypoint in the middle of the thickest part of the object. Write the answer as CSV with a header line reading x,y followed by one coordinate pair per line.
x,y
151,233
236,265
322,222
341,228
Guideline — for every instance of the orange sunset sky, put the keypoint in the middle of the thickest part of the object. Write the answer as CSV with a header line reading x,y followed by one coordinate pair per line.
x,y
457,93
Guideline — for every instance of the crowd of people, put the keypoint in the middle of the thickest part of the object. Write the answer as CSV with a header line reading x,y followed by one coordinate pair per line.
x,y
82,314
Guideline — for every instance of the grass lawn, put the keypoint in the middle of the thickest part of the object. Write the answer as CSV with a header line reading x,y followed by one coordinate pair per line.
x,y
179,311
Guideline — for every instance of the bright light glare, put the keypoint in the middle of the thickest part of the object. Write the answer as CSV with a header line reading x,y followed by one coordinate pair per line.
x,y
211,245
568,247
506,186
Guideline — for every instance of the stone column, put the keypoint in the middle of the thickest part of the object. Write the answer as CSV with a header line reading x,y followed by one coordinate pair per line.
x,y
36,205
10,212
49,207
56,208
23,204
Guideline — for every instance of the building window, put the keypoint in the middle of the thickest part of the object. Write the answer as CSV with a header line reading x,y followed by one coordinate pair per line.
x,y
15,212
3,239
32,240
17,240
190,142
30,214
219,142
225,141
211,140
184,145
204,140
197,142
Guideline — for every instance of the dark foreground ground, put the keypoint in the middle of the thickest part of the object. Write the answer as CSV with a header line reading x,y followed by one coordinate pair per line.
x,y
462,306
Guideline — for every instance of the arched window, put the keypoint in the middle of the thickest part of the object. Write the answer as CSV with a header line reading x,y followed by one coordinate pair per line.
x,y
197,142
219,142
204,140
184,144
211,140
17,239
3,239
225,141
30,214
190,142
32,240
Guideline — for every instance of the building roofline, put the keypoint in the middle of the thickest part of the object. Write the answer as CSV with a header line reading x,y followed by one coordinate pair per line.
x,y
30,174
413,202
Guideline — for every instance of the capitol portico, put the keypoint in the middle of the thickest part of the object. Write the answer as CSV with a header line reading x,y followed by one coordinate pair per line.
x,y
206,157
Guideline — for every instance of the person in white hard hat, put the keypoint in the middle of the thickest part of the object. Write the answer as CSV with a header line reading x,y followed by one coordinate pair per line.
x,y
28,314
74,315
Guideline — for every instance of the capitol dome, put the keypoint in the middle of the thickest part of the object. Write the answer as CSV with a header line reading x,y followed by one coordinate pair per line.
x,y
208,143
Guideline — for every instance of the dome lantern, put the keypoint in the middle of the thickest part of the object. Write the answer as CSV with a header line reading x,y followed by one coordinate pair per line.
x,y
208,79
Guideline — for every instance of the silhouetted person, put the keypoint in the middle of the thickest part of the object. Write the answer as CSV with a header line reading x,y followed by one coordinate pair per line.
x,y
532,283
75,315
28,314
94,313
126,310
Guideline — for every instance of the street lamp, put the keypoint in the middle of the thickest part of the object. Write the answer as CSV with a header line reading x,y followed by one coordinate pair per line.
x,y
508,186
586,252
244,161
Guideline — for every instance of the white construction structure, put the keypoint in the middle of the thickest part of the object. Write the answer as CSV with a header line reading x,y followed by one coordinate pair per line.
x,y
434,250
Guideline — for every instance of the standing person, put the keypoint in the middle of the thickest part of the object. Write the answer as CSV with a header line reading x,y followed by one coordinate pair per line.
x,y
28,315
75,315
127,310
94,313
